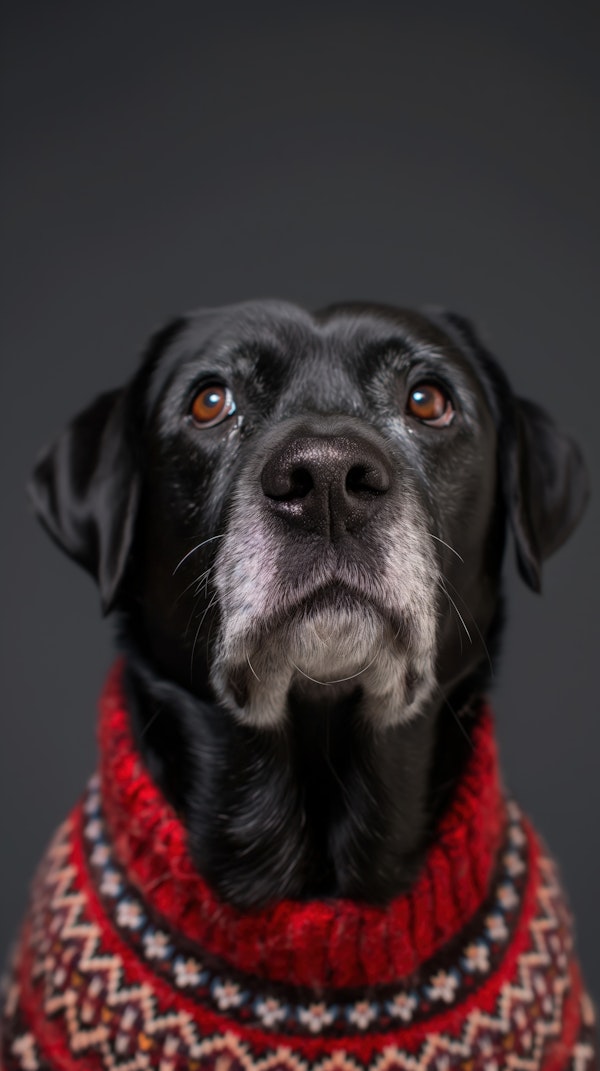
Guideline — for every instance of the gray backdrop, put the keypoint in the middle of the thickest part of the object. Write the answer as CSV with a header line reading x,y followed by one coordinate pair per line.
x,y
161,156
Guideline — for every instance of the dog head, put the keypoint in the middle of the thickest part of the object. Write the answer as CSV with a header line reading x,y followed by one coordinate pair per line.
x,y
311,505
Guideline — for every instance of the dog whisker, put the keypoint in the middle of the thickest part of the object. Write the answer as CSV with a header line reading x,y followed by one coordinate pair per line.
x,y
474,622
198,581
211,539
209,637
252,667
460,617
202,581
443,542
189,621
194,607
212,602
198,630
340,680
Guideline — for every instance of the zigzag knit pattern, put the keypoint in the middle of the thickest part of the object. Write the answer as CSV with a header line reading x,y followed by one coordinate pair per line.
x,y
129,962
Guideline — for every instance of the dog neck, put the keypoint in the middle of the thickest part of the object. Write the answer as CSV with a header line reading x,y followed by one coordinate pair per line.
x,y
321,807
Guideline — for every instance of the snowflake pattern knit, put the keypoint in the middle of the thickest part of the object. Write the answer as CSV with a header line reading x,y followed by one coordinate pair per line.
x,y
128,961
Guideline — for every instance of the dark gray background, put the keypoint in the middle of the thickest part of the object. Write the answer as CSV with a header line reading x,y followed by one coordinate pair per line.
x,y
161,156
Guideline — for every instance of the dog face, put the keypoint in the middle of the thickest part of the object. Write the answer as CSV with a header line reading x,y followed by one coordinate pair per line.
x,y
330,503
311,504
306,513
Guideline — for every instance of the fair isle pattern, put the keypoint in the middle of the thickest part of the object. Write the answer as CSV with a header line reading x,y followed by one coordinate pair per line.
x,y
226,1054
111,1012
278,1007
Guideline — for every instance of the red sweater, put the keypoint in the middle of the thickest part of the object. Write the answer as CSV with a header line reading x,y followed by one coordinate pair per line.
x,y
128,961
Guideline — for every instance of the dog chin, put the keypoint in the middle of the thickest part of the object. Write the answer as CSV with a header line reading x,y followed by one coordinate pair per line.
x,y
322,654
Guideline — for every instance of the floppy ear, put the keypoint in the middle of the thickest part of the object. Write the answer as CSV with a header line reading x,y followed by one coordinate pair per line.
x,y
543,475
546,487
85,491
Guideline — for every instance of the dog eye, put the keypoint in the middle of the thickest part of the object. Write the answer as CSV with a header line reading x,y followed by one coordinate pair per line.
x,y
430,404
212,404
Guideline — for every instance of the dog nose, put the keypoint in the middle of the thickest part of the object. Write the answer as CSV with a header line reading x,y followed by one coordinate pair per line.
x,y
328,484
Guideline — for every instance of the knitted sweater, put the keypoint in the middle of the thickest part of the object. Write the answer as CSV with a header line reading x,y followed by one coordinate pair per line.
x,y
129,961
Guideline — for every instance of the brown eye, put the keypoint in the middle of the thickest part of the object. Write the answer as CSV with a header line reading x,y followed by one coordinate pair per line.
x,y
212,404
429,403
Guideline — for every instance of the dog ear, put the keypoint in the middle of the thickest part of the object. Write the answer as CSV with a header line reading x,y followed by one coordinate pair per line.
x,y
85,491
546,487
543,475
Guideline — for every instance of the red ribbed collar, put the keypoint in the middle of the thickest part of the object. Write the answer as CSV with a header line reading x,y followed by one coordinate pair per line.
x,y
321,943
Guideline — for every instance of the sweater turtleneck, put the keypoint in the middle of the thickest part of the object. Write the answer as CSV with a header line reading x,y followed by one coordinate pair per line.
x,y
317,942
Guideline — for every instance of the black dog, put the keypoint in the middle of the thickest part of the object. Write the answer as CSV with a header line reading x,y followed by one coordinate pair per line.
x,y
297,854
301,521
